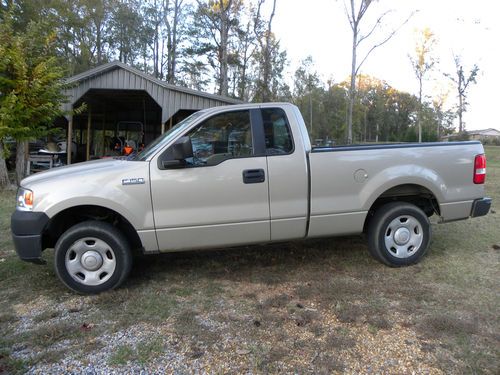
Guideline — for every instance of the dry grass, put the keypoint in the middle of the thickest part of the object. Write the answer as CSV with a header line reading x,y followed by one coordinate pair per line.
x,y
319,306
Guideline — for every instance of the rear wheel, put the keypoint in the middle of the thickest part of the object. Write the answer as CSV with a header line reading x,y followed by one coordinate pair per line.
x,y
92,257
399,234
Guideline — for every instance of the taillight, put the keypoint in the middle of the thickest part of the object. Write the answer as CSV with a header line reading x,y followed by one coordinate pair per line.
x,y
479,169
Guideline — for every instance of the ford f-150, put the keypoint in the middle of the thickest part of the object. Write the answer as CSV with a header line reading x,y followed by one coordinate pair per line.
x,y
237,175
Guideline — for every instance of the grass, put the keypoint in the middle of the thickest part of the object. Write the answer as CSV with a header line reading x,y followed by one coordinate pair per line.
x,y
143,353
292,307
48,335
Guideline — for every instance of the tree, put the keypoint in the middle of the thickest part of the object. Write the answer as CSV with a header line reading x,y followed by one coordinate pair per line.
x,y
173,21
306,85
462,81
30,87
242,58
194,74
355,12
215,22
273,88
154,14
264,36
84,31
98,13
126,26
422,63
246,48
444,118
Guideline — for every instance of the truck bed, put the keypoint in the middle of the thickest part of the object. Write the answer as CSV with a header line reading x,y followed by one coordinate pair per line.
x,y
345,184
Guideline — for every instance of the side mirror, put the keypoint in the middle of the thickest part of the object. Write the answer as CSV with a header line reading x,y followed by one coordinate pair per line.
x,y
182,149
179,152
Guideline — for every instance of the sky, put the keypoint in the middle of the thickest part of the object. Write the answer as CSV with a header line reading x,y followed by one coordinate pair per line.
x,y
319,28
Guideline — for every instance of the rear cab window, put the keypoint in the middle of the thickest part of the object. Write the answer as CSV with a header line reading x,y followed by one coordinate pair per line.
x,y
278,137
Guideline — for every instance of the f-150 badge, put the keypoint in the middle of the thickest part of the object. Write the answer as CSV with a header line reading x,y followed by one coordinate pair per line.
x,y
133,181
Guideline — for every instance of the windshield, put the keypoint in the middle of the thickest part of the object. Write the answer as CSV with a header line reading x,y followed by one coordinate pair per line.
x,y
159,142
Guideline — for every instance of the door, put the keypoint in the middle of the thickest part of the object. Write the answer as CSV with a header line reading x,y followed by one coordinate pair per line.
x,y
288,175
220,195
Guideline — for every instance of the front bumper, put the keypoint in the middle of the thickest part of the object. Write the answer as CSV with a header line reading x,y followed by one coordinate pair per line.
x,y
480,207
27,229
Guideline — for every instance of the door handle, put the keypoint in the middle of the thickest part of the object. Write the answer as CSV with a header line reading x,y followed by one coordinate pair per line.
x,y
254,176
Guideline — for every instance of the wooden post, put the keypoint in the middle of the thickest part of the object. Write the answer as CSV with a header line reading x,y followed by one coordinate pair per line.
x,y
89,122
104,131
69,141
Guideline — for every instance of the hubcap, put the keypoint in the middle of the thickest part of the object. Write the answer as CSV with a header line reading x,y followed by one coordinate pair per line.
x,y
90,261
403,236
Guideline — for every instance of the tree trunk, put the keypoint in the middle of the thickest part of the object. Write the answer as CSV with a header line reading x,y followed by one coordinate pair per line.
x,y
366,125
267,60
99,44
223,48
224,83
156,52
173,50
440,120
4,176
352,87
460,101
460,109
420,110
21,152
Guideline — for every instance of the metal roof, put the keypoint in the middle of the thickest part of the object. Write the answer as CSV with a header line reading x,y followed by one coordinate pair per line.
x,y
119,76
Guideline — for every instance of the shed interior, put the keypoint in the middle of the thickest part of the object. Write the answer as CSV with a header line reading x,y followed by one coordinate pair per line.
x,y
110,114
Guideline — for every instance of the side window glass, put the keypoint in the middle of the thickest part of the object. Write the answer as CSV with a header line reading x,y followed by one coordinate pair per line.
x,y
277,132
224,136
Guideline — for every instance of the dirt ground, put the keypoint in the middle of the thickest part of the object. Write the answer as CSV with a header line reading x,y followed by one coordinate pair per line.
x,y
321,306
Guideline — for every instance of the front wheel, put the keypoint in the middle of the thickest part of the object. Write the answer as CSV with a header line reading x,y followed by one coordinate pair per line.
x,y
92,257
399,234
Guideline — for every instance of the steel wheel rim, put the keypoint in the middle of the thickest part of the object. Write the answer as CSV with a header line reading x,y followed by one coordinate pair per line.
x,y
403,236
90,261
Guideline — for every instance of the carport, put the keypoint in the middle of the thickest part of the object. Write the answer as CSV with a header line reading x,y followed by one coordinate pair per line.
x,y
119,100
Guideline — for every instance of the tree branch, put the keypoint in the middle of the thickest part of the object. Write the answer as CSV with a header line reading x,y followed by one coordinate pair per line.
x,y
377,23
389,37
349,18
363,7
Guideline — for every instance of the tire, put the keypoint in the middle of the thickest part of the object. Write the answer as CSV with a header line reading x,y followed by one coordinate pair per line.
x,y
399,234
92,257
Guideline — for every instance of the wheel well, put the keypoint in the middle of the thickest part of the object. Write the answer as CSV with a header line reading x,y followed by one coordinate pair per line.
x,y
74,215
415,194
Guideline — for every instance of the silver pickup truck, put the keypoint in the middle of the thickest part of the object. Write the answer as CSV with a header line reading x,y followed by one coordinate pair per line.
x,y
237,175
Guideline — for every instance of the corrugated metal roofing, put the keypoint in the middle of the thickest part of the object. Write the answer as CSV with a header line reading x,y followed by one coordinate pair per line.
x,y
119,76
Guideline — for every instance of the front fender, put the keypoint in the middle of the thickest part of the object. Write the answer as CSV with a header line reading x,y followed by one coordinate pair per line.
x,y
132,212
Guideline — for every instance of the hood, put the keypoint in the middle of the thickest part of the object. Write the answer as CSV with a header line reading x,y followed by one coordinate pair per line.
x,y
69,171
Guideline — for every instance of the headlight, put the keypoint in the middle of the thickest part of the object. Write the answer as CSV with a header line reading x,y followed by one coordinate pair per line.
x,y
24,199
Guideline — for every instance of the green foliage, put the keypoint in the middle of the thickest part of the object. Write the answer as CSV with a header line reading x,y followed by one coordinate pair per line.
x,y
30,80
272,88
125,24
223,45
460,136
380,113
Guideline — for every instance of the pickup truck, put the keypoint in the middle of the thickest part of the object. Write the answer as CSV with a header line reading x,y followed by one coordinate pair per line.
x,y
238,175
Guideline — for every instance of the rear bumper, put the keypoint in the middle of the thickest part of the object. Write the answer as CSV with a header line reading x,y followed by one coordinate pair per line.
x,y
27,228
480,207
